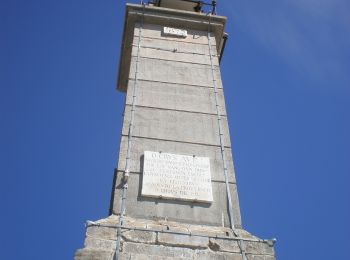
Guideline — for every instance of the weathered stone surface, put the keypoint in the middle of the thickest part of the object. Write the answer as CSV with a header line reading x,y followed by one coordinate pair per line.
x,y
176,97
211,231
157,250
208,255
224,245
245,234
93,254
157,243
101,232
258,248
178,240
182,211
260,257
129,256
139,236
176,126
143,144
99,243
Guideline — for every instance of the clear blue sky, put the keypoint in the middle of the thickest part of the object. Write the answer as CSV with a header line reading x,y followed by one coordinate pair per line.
x,y
286,73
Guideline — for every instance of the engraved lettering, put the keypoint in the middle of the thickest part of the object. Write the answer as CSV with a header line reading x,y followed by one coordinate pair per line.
x,y
174,32
172,176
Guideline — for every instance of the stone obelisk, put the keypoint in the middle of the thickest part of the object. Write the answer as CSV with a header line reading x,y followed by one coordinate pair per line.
x,y
174,191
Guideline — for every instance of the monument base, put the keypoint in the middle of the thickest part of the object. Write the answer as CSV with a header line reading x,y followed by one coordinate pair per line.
x,y
165,240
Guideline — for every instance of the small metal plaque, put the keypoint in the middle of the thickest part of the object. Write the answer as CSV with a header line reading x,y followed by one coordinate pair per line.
x,y
174,32
173,176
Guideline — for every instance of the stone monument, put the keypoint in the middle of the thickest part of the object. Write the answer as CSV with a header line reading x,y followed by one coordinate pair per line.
x,y
174,192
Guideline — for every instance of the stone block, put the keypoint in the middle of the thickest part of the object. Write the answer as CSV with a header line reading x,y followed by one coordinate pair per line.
x,y
260,257
176,97
258,248
139,236
209,255
179,240
139,145
101,232
176,126
178,55
157,250
164,43
224,245
175,72
245,234
99,243
210,231
129,256
93,254
173,210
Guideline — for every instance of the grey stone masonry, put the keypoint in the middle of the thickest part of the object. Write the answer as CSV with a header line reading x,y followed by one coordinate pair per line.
x,y
165,240
169,82
175,107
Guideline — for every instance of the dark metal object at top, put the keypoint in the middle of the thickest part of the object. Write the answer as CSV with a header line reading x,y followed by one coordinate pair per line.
x,y
186,5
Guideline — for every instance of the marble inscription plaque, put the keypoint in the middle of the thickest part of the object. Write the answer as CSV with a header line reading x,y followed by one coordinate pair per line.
x,y
173,176
174,32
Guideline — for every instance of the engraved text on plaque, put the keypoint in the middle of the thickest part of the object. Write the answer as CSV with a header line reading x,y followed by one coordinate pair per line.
x,y
172,176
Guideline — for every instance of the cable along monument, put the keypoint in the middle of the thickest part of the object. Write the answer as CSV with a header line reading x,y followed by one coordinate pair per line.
x,y
174,193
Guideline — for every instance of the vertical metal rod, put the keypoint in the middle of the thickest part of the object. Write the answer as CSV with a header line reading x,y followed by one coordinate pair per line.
x,y
221,138
130,133
241,245
222,146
